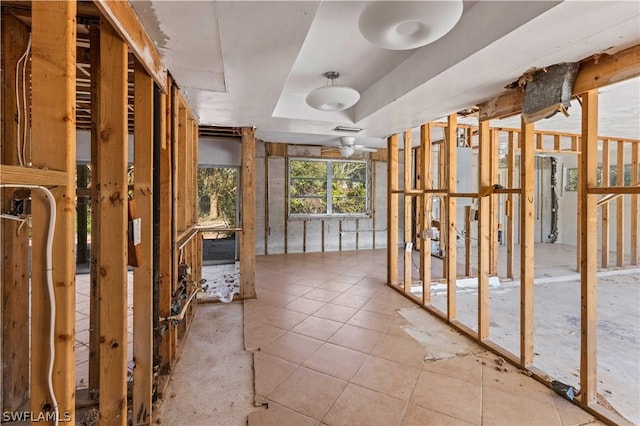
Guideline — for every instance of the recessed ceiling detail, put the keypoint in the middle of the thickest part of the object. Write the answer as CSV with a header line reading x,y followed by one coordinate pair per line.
x,y
403,25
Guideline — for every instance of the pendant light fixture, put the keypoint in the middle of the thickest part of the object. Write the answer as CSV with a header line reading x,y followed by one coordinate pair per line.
x,y
332,97
402,25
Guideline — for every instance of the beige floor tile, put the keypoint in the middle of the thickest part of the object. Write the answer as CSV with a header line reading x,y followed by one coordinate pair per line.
x,y
357,338
335,312
322,295
305,306
449,396
296,289
283,318
371,320
336,361
511,381
405,351
571,415
387,377
360,406
308,392
419,416
363,291
257,335
505,408
467,368
350,301
292,347
381,308
336,286
269,372
274,298
277,415
318,328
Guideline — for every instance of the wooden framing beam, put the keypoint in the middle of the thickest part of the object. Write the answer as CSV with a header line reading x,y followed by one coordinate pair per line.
x,y
589,231
54,146
123,18
595,72
493,166
143,275
510,210
408,212
604,212
14,306
248,239
451,153
392,211
527,242
426,199
31,176
484,229
620,231
112,262
635,169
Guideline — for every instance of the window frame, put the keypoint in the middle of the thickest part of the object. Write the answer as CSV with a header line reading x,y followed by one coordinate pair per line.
x,y
329,188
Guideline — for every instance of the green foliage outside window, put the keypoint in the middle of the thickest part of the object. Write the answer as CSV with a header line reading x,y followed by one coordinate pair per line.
x,y
327,187
572,177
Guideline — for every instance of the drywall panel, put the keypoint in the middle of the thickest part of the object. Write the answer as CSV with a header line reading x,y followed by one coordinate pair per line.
x,y
219,152
276,203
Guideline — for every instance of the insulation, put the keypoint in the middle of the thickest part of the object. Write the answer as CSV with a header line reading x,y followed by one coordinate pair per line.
x,y
549,91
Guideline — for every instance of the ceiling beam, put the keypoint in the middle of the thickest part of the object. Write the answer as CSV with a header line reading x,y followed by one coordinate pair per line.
x,y
596,71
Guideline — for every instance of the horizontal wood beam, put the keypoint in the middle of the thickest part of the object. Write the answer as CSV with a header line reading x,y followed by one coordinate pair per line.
x,y
618,190
15,175
123,18
595,72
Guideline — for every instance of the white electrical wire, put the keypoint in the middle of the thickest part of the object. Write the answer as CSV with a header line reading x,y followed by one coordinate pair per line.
x,y
20,140
52,299
27,128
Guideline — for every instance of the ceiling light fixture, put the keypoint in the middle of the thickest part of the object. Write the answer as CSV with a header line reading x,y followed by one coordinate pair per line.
x,y
347,129
332,97
402,25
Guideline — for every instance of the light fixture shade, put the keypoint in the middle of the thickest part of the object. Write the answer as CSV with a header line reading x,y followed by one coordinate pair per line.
x,y
332,98
347,151
402,25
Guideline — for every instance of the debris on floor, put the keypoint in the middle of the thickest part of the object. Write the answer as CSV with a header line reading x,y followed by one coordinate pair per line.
x,y
91,417
566,391
223,287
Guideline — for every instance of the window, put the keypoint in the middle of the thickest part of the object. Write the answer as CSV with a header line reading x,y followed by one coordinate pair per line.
x,y
572,177
328,187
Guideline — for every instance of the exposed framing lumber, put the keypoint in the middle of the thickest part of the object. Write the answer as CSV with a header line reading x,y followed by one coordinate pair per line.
x,y
123,18
493,166
54,146
426,200
451,151
527,241
14,305
589,231
595,72
484,234
620,249
604,212
510,229
32,176
143,275
392,211
112,263
181,170
635,244
247,247
408,211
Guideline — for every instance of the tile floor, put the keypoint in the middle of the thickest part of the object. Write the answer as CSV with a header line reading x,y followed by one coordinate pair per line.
x,y
336,347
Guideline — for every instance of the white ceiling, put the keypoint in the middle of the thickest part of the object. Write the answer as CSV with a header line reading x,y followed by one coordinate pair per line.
x,y
252,63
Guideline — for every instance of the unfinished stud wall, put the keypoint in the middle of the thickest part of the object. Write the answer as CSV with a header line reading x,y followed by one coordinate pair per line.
x,y
281,234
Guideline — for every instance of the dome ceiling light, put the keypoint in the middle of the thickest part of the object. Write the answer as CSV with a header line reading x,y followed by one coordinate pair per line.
x,y
332,97
402,25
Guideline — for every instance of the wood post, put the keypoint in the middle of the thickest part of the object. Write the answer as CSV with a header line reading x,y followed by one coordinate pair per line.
x,y
392,211
510,211
426,199
620,231
604,230
247,246
493,166
143,275
451,149
527,223
408,212
589,233
15,238
112,261
635,170
484,229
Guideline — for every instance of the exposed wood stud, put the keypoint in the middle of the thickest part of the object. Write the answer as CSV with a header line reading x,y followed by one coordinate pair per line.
x,y
54,145
620,231
604,213
392,211
510,211
247,248
408,212
589,231
451,150
635,170
426,199
493,204
112,264
484,228
527,241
